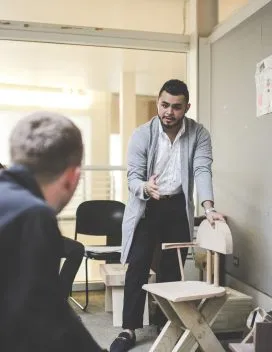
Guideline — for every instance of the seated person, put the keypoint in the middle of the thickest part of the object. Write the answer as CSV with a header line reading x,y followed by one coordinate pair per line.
x,y
46,152
73,252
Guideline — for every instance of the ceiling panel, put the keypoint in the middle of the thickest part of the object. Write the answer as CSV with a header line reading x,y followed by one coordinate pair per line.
x,y
85,67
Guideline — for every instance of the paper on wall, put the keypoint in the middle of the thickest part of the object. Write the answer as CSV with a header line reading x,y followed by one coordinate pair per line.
x,y
263,79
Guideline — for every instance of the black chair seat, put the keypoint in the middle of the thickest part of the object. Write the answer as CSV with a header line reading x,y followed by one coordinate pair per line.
x,y
103,256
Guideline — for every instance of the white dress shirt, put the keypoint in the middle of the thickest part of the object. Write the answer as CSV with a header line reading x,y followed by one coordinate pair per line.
x,y
168,163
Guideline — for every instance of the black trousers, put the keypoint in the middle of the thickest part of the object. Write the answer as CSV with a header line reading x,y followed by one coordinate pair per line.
x,y
73,252
165,221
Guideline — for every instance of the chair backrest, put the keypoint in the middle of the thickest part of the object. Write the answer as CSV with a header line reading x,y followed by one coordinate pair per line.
x,y
101,218
217,238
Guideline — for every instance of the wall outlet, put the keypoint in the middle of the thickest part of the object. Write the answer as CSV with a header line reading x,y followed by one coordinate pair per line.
x,y
235,260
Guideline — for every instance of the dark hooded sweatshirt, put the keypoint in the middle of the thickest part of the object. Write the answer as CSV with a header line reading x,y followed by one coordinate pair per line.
x,y
33,314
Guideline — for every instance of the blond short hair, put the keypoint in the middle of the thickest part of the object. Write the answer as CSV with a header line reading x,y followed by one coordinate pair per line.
x,y
47,143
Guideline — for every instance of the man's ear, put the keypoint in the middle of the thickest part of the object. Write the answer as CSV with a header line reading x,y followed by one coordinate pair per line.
x,y
72,177
157,104
188,107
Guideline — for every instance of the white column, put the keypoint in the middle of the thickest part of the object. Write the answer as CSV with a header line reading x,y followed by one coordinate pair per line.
x,y
203,17
207,14
127,104
192,60
100,116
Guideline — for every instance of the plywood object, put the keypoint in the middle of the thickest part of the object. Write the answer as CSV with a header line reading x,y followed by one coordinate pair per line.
x,y
180,291
234,313
191,324
113,276
193,307
217,238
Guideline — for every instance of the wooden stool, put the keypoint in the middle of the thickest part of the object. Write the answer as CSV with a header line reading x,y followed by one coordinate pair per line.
x,y
192,306
113,276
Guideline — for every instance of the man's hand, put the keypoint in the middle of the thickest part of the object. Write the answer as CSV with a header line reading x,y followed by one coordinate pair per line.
x,y
152,188
214,215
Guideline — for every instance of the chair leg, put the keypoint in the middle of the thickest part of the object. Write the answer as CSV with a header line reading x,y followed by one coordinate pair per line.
x,y
86,289
86,285
188,325
198,323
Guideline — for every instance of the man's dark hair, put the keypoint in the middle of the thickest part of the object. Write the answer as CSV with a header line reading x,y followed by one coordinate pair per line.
x,y
47,144
175,87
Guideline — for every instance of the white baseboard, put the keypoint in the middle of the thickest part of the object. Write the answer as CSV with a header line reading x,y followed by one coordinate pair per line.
x,y
259,299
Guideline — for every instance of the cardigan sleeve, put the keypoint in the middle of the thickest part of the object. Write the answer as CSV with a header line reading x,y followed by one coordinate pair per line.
x,y
137,163
202,164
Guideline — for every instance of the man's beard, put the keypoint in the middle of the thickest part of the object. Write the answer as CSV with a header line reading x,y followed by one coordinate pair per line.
x,y
173,125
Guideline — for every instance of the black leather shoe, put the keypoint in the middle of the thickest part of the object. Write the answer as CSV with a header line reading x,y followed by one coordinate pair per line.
x,y
123,342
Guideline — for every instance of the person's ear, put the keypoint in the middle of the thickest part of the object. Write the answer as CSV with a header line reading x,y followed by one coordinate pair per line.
x,y
72,177
157,104
188,107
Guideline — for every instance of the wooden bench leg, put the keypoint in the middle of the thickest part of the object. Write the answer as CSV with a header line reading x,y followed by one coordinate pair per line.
x,y
117,305
117,293
108,299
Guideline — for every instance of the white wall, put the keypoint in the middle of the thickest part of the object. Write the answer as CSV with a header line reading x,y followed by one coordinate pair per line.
x,y
9,118
228,7
152,15
242,145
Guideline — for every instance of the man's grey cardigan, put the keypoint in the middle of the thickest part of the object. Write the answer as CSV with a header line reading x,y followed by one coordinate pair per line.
x,y
196,161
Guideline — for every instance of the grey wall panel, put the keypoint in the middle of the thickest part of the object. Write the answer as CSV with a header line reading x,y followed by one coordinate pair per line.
x,y
242,147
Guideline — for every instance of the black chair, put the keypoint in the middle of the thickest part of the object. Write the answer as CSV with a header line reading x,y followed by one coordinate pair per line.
x,y
100,218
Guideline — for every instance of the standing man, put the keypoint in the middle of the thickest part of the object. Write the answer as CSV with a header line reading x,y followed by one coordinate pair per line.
x,y
46,151
165,157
